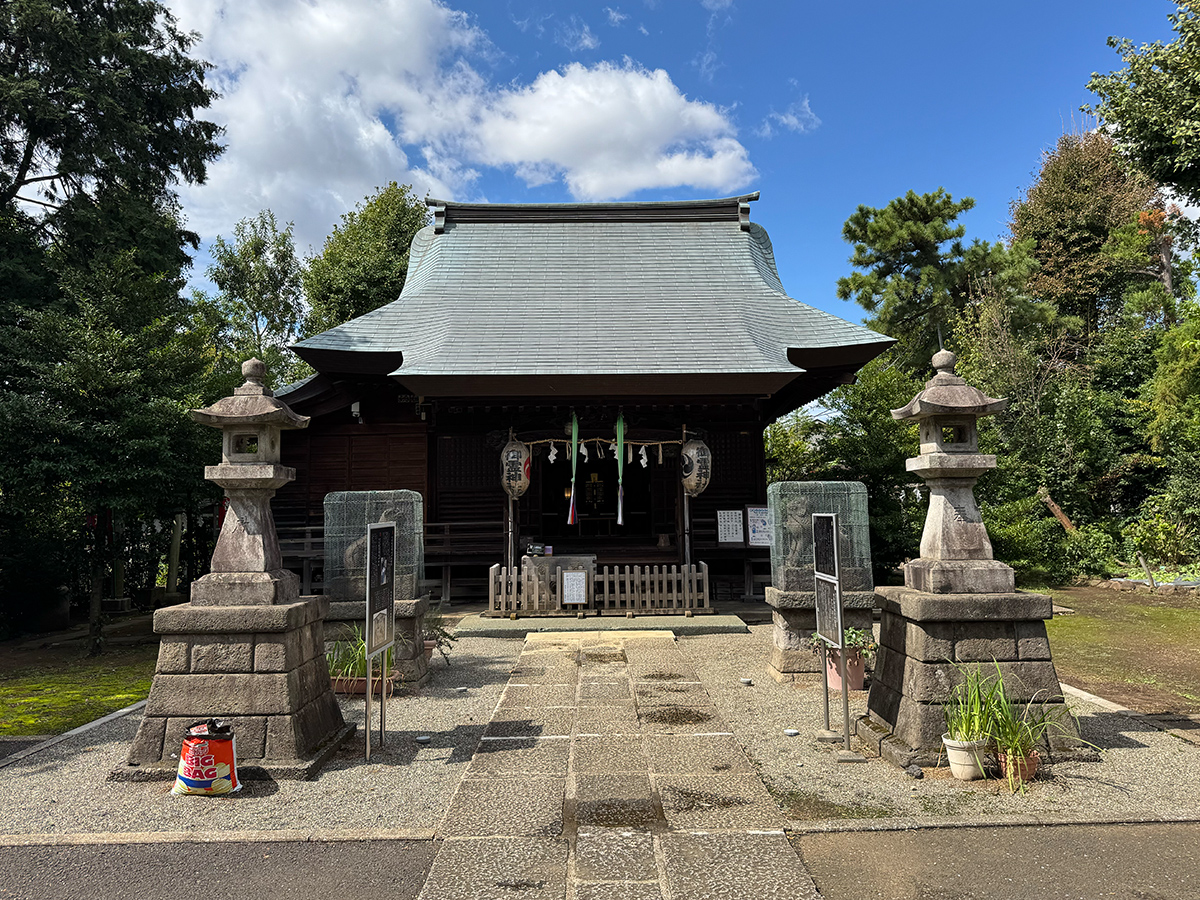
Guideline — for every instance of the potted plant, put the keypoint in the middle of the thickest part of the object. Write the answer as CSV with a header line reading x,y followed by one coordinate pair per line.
x,y
347,661
436,633
1019,730
969,717
860,649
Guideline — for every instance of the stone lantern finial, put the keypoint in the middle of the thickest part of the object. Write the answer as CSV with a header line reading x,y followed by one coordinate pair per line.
x,y
944,362
254,370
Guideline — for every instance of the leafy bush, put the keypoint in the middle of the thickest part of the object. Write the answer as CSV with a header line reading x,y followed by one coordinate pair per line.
x,y
1029,540
1160,534
1090,550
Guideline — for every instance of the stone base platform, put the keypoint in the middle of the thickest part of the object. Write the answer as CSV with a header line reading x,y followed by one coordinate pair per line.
x,y
795,618
262,668
926,640
257,770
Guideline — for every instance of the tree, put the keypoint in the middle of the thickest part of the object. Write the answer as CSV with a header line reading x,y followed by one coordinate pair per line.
x,y
94,96
98,354
856,439
1152,105
365,260
259,305
916,270
1072,215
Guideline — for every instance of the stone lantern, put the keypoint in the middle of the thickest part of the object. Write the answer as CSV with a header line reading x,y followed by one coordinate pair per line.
x,y
956,555
247,568
247,648
958,607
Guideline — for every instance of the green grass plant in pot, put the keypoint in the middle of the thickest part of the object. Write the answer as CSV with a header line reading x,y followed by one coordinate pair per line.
x,y
1019,730
347,661
969,714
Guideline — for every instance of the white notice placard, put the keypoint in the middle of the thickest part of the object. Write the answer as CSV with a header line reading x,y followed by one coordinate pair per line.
x,y
758,526
574,588
729,527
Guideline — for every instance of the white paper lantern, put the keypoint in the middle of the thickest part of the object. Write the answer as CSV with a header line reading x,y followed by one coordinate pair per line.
x,y
695,467
514,468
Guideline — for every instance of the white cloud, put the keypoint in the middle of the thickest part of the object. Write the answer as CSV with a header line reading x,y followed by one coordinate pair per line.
x,y
326,100
716,5
575,35
615,16
798,117
609,131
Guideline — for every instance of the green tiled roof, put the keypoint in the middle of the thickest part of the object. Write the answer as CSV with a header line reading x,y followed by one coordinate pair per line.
x,y
642,289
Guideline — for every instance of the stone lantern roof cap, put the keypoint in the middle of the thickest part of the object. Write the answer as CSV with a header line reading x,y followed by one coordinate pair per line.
x,y
946,394
251,404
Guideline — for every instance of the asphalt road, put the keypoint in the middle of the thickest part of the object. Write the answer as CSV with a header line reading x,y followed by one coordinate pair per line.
x,y
218,871
1063,862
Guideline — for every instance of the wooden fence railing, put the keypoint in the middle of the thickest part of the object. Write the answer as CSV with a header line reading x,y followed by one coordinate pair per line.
x,y
642,590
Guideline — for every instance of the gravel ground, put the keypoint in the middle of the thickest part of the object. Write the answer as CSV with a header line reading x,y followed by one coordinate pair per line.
x,y
1145,774
62,790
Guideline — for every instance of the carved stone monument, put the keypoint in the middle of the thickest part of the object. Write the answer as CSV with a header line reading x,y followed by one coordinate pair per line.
x,y
792,596
246,648
958,605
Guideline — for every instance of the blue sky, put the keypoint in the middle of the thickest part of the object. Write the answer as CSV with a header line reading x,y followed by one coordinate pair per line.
x,y
820,106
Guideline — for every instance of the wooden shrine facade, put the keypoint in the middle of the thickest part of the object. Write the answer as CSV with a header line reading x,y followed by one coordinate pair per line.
x,y
513,318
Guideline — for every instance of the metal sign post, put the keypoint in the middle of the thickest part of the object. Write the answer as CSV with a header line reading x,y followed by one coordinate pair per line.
x,y
381,616
830,630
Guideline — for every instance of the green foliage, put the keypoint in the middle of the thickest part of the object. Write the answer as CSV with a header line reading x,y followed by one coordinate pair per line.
x,y
916,270
1083,198
365,260
99,357
1152,104
968,710
259,309
1028,539
96,96
1161,533
858,440
1090,551
860,639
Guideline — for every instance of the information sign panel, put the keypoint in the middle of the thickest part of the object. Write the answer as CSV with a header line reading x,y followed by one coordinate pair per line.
x,y
574,588
827,583
758,526
381,587
825,561
729,527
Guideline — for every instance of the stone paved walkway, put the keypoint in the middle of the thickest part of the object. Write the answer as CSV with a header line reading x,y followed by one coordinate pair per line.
x,y
606,772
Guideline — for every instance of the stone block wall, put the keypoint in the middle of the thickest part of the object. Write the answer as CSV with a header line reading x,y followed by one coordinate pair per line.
x,y
926,642
260,667
795,619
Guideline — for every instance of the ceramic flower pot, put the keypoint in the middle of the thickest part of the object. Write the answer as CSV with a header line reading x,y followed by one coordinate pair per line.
x,y
965,757
855,669
1019,769
358,686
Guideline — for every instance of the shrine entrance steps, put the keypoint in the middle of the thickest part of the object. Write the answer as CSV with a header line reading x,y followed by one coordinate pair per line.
x,y
607,772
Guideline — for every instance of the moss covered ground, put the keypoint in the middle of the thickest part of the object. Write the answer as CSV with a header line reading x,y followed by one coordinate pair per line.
x,y
1135,648
62,691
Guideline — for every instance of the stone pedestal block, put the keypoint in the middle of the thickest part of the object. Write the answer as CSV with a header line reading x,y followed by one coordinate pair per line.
x,y
927,639
955,576
246,588
408,654
795,619
260,667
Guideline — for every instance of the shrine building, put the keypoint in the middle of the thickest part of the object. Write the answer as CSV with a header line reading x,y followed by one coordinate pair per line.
x,y
520,322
